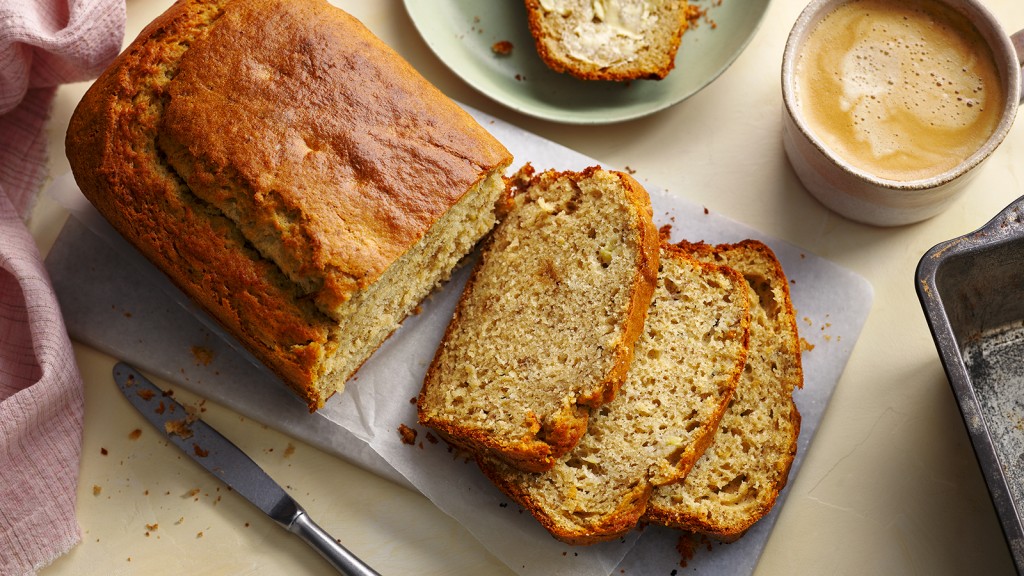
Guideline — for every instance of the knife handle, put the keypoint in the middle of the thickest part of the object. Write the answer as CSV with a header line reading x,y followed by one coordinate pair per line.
x,y
337,555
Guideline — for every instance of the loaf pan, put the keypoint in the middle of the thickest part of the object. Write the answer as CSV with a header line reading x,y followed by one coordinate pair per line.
x,y
972,292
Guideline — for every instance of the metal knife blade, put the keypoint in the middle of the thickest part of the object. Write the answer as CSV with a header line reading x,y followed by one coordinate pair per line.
x,y
223,459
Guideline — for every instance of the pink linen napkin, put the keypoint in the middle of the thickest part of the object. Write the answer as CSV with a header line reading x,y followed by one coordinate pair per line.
x,y
43,43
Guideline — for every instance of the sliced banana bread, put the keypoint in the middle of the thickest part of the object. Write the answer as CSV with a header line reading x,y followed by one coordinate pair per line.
x,y
545,328
687,363
608,39
739,477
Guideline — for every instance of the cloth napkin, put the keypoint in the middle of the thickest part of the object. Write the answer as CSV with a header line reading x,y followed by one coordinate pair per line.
x,y
43,43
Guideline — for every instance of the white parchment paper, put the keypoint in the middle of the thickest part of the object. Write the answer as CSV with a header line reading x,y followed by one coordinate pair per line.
x,y
115,301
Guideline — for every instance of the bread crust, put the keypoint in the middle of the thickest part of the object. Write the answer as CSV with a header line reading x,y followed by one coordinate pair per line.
x,y
355,208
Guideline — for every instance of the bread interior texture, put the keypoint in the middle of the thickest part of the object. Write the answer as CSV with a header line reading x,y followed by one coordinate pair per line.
x,y
545,329
686,364
559,282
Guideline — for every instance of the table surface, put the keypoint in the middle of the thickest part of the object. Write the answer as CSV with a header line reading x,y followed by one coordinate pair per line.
x,y
890,484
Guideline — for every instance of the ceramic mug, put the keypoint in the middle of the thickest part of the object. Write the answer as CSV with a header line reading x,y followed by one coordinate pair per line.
x,y
864,190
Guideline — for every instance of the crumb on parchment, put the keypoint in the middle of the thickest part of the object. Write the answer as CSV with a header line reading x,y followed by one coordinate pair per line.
x,y
408,434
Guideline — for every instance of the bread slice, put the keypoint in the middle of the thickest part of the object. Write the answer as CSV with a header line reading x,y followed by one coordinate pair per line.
x,y
608,39
545,328
290,173
687,364
739,477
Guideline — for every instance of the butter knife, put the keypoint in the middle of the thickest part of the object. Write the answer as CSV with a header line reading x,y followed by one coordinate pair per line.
x,y
226,461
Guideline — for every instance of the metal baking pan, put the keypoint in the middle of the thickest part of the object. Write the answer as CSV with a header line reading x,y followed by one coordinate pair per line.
x,y
972,292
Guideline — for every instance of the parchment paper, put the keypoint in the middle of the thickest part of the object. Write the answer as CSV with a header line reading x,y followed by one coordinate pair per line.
x,y
115,301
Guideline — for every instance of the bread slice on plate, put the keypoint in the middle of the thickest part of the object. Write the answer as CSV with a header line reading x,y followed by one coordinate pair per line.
x,y
608,39
737,480
289,172
687,364
545,328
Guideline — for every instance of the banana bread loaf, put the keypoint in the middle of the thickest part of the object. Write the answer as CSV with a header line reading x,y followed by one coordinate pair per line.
x,y
290,173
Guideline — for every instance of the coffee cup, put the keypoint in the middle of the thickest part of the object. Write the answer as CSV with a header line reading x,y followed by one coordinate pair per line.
x,y
890,106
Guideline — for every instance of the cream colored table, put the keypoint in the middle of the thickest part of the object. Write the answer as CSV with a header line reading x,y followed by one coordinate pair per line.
x,y
889,486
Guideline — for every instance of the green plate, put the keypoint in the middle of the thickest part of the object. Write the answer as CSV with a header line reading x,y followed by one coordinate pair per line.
x,y
461,33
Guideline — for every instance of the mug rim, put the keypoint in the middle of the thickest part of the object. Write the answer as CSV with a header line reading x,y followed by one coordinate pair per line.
x,y
1006,60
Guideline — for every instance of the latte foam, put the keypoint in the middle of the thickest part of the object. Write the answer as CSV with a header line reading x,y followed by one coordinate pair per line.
x,y
904,90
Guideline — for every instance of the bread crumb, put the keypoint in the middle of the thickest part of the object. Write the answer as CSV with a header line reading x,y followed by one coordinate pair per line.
x,y
178,427
289,450
134,435
199,534
96,489
203,355
191,493
103,451
805,346
502,48
408,434
199,451
695,13
182,428
685,547
145,393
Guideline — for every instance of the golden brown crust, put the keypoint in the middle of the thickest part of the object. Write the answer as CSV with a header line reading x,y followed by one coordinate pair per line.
x,y
394,152
119,141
